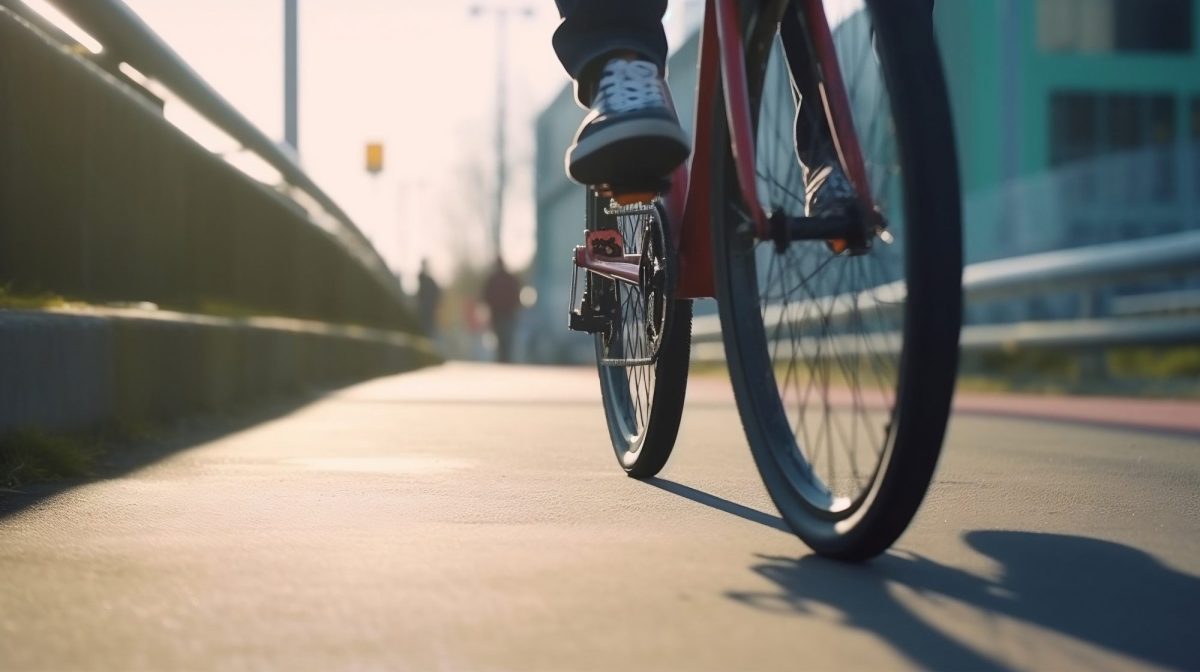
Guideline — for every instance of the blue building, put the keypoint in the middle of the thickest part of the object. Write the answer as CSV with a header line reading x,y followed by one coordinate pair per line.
x,y
1078,122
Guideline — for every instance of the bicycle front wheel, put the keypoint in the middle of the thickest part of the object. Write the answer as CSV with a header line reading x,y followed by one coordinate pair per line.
x,y
643,354
843,361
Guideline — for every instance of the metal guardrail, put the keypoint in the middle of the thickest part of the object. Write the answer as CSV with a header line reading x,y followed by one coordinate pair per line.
x,y
1157,303
1084,268
130,40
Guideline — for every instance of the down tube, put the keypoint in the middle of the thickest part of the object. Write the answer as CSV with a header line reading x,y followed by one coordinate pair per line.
x,y
737,105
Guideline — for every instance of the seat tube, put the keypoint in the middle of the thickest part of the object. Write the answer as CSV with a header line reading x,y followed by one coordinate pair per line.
x,y
737,104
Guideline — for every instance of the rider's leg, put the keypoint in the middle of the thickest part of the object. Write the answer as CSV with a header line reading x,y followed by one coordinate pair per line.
x,y
616,52
827,189
593,30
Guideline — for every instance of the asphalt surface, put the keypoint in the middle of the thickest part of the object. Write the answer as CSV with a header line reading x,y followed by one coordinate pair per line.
x,y
473,518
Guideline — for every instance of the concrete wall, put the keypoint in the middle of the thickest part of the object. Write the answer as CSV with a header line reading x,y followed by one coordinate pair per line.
x,y
101,199
68,371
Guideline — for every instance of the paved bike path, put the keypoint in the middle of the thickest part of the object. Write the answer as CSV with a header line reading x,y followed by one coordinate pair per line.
x,y
471,518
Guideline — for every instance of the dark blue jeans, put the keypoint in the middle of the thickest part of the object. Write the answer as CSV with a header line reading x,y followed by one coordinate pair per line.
x,y
592,28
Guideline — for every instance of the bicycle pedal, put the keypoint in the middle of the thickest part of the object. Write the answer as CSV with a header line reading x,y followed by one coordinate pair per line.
x,y
590,324
605,244
587,319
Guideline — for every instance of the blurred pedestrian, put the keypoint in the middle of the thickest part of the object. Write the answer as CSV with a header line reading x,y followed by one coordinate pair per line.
x,y
429,295
502,294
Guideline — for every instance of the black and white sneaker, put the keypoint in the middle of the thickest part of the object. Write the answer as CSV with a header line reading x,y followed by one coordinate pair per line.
x,y
631,136
827,190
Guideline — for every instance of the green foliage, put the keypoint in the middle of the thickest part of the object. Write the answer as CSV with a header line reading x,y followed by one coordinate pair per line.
x,y
1132,371
709,369
1028,364
226,309
31,456
14,300
1178,362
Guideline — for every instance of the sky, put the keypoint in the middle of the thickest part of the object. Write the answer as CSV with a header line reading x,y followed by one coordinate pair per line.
x,y
420,76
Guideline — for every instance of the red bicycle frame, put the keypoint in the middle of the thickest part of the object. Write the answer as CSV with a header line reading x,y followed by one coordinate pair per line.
x,y
689,212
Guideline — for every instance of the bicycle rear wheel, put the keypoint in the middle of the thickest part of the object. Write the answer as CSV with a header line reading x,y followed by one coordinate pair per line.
x,y
644,353
843,364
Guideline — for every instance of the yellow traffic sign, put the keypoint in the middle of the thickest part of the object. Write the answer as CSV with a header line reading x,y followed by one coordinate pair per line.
x,y
374,157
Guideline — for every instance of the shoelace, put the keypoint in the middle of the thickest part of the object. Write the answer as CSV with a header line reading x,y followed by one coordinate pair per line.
x,y
630,85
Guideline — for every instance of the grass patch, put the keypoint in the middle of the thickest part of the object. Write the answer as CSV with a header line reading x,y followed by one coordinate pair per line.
x,y
30,456
712,369
241,312
998,384
13,300
1155,363
231,310
1129,371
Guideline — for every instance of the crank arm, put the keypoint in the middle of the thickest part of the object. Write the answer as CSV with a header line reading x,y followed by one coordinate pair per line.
x,y
627,269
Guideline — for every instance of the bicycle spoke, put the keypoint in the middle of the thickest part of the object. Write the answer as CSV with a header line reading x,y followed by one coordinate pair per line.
x,y
629,350
829,326
817,330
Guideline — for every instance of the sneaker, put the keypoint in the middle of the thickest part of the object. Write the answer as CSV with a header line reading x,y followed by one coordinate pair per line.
x,y
827,191
631,136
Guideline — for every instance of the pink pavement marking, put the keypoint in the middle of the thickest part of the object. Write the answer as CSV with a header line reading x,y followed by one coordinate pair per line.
x,y
1172,415
578,384
1176,415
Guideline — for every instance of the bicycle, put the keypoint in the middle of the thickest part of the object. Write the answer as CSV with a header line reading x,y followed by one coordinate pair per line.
x,y
840,333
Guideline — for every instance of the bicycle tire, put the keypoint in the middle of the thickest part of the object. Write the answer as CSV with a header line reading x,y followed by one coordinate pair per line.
x,y
857,516
643,404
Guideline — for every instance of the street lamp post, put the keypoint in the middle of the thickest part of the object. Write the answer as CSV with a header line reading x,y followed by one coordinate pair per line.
x,y
500,14
291,80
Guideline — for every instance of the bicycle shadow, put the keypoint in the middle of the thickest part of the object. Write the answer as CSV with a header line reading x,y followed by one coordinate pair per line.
x,y
719,503
1115,597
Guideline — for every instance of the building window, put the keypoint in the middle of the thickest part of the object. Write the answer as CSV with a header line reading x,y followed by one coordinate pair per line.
x,y
1195,148
1086,127
1074,135
1100,26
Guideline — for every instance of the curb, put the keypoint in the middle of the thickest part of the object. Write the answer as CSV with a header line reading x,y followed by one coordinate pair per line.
x,y
67,370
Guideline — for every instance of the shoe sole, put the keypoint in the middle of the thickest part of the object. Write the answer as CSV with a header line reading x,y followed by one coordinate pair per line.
x,y
630,153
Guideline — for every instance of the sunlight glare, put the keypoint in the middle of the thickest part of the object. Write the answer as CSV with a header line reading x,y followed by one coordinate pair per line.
x,y
839,10
48,12
133,73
